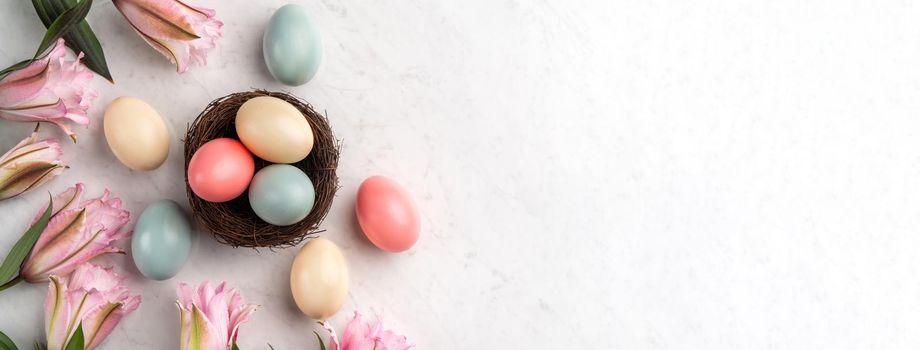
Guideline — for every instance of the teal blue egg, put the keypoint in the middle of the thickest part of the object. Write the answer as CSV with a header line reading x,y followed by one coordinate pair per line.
x,y
162,240
281,194
292,46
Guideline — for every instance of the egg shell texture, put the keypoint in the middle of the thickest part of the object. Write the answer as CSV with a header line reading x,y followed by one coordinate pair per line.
x,y
220,170
274,130
387,214
292,46
319,279
162,240
136,133
281,194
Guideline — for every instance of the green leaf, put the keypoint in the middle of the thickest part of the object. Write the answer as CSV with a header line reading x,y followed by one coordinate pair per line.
x,y
76,341
80,39
64,23
11,283
320,340
10,267
235,347
6,343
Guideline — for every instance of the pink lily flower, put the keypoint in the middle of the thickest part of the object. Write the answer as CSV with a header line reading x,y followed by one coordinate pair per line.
x,y
92,296
29,165
77,232
209,317
362,335
51,89
181,32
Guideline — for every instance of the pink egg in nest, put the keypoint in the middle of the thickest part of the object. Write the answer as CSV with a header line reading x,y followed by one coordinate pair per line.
x,y
220,170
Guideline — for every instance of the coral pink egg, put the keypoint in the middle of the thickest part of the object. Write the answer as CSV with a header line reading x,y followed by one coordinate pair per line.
x,y
387,214
220,170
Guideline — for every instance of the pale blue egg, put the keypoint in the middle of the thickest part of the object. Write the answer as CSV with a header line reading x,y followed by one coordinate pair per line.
x,y
162,240
281,194
292,46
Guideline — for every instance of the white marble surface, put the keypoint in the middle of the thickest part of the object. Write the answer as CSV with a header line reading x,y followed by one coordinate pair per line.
x,y
592,174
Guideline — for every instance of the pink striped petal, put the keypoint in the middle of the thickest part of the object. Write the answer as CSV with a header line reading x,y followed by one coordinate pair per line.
x,y
76,235
68,199
181,32
52,89
92,296
186,296
24,84
98,324
47,150
239,316
63,234
361,335
206,337
25,176
56,314
222,310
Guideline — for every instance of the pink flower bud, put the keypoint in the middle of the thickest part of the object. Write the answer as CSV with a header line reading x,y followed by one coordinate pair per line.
x,y
77,232
29,165
362,335
91,296
209,317
51,89
181,32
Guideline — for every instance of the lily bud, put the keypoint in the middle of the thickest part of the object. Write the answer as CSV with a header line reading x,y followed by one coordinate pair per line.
x,y
210,317
181,32
361,334
91,296
77,232
29,165
51,89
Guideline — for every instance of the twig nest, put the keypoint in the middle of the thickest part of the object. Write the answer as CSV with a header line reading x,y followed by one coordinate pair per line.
x,y
234,222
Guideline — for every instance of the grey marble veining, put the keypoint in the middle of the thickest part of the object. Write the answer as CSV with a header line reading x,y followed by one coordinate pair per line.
x,y
591,174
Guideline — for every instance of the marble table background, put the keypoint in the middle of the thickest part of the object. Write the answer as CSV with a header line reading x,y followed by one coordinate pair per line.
x,y
592,174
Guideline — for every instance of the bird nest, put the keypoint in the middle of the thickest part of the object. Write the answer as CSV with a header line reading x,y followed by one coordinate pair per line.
x,y
234,222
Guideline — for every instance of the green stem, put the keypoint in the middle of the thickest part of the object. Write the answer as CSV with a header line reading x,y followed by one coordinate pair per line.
x,y
11,283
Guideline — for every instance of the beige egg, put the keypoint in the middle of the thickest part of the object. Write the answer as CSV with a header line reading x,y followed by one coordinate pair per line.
x,y
319,279
274,130
136,134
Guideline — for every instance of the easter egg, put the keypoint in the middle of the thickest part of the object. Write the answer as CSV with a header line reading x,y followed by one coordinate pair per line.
x,y
387,214
135,133
220,170
274,130
292,46
281,194
162,240
319,279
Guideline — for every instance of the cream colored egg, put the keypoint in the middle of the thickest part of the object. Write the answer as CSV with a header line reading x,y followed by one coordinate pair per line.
x,y
274,130
136,133
319,279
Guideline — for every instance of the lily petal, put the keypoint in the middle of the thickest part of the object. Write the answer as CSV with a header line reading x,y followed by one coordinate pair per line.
x,y
68,199
55,313
76,233
51,89
203,336
181,32
362,335
210,317
24,84
92,296
23,177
